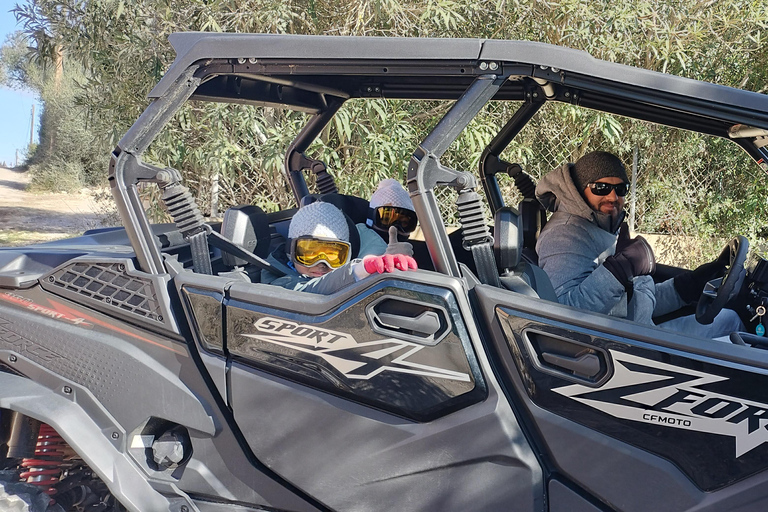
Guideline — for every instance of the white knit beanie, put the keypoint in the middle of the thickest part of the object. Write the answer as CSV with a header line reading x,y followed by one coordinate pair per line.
x,y
391,193
321,220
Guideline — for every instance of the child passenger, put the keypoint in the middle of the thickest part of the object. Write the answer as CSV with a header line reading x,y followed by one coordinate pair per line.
x,y
317,255
392,215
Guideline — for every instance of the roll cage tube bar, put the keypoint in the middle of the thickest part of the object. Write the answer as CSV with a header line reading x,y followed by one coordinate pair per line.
x,y
491,164
296,161
425,171
753,140
126,169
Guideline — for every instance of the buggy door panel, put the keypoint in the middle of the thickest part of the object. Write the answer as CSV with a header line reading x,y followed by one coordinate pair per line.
x,y
652,420
202,298
350,350
361,397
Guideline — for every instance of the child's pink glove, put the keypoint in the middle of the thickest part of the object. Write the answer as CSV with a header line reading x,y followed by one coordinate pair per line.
x,y
388,263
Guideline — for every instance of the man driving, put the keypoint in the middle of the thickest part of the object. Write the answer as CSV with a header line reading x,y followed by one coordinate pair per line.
x,y
593,264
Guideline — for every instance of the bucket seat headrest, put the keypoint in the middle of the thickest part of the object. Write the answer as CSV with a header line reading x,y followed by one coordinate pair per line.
x,y
248,227
507,238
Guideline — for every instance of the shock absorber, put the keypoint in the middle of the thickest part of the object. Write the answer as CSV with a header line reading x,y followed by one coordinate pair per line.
x,y
44,469
186,215
476,237
325,182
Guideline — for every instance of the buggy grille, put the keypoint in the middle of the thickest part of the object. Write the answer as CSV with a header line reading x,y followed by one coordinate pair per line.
x,y
113,287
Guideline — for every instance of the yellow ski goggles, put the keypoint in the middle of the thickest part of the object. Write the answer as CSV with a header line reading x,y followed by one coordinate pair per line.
x,y
311,251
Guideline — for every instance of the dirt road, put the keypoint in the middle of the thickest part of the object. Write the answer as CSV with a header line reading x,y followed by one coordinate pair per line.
x,y
26,217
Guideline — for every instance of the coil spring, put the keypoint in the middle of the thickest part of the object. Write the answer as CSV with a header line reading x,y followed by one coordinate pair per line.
x,y
325,183
525,185
45,469
474,229
183,209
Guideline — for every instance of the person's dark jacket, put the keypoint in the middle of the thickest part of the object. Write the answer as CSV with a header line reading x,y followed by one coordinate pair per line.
x,y
572,248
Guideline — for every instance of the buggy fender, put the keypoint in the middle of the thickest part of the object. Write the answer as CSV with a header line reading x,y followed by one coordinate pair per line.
x,y
124,479
132,374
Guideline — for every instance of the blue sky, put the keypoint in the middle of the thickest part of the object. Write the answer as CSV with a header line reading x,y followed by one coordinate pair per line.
x,y
15,105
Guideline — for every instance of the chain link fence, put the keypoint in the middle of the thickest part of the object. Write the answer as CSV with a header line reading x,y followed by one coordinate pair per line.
x,y
692,192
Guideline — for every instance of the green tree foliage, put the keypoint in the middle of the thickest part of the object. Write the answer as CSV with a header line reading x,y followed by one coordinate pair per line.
x,y
69,155
123,46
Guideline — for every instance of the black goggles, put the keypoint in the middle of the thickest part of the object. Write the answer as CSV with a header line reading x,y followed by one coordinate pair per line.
x,y
402,218
599,188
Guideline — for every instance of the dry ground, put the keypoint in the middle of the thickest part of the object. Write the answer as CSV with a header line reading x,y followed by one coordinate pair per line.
x,y
27,217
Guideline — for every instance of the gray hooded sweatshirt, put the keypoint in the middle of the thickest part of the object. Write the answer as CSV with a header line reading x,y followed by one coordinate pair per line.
x,y
572,248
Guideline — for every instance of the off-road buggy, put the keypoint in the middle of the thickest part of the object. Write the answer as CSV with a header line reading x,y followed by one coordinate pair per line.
x,y
146,368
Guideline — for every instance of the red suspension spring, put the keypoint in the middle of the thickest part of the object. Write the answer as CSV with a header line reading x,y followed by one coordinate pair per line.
x,y
45,468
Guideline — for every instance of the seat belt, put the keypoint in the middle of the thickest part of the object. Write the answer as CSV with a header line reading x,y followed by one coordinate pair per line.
x,y
221,242
201,257
485,263
476,237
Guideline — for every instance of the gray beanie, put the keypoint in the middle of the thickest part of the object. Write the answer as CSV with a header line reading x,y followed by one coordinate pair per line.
x,y
321,220
594,166
391,193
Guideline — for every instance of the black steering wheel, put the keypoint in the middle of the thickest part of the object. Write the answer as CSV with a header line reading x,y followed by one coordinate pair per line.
x,y
718,292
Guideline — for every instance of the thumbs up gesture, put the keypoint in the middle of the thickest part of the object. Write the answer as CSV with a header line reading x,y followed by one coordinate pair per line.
x,y
397,247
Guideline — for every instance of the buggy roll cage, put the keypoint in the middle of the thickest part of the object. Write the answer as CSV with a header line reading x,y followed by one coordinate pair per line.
x,y
317,74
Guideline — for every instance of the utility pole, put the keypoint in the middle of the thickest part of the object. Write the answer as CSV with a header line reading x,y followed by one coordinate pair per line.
x,y
215,195
32,127
633,203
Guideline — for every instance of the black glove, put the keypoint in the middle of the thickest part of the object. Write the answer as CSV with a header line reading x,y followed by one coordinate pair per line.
x,y
634,257
623,239
690,283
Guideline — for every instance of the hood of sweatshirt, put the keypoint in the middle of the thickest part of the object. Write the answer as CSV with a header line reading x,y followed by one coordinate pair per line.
x,y
557,193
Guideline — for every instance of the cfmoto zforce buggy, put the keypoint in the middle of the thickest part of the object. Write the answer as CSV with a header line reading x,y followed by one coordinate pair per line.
x,y
146,368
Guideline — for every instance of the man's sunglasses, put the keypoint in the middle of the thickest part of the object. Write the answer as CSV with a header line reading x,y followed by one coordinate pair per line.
x,y
402,218
603,189
311,251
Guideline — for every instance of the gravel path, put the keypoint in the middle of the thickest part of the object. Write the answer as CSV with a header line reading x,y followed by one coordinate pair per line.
x,y
27,217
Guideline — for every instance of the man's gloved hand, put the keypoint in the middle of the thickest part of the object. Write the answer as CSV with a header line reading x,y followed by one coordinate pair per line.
x,y
623,240
634,257
395,246
388,263
690,283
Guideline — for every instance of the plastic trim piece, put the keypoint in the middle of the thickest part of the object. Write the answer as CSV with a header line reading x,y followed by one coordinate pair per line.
x,y
249,307
115,288
384,323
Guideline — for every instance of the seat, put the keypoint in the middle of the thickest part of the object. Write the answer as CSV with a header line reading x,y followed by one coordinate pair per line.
x,y
463,256
356,208
533,217
247,226
515,273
